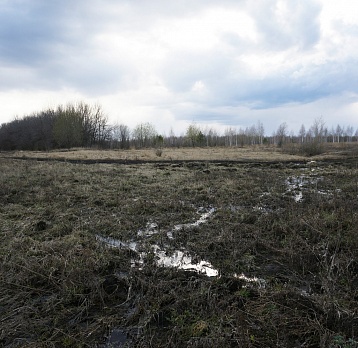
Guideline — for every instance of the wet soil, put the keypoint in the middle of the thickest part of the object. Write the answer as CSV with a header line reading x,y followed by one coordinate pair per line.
x,y
286,269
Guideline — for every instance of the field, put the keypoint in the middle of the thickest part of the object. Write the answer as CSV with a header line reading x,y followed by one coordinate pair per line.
x,y
217,247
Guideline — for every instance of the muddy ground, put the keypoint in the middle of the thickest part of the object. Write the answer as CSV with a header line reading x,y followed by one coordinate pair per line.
x,y
178,253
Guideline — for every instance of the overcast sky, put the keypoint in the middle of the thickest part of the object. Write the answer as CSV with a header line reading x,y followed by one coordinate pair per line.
x,y
216,63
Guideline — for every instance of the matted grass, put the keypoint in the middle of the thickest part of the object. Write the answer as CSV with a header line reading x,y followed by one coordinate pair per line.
x,y
60,286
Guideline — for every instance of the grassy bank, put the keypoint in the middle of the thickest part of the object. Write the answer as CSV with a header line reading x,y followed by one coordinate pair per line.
x,y
281,233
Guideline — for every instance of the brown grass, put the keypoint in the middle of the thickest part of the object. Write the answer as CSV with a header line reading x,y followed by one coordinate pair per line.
x,y
250,153
181,154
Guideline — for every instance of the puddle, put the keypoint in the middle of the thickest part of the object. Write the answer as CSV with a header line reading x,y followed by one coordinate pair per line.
x,y
296,184
180,259
117,338
259,281
150,229
202,220
115,243
260,208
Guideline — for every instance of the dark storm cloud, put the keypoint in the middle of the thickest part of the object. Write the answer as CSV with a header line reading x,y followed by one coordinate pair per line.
x,y
31,30
49,42
318,82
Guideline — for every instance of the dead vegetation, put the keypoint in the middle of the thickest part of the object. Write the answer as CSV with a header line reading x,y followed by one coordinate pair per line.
x,y
61,287
262,153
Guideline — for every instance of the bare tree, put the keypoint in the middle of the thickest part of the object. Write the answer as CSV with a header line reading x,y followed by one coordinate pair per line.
x,y
230,136
120,135
339,133
144,135
318,129
241,137
252,134
332,133
260,132
349,132
302,134
211,136
281,134
172,138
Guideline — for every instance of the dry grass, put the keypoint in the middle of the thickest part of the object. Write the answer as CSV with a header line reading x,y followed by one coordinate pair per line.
x,y
175,154
251,153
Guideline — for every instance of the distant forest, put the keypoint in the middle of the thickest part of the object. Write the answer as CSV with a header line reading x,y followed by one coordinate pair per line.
x,y
83,125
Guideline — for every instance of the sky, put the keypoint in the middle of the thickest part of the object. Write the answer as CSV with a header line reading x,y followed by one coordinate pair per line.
x,y
218,64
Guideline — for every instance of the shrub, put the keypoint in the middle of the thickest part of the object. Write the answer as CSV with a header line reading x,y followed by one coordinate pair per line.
x,y
312,148
159,152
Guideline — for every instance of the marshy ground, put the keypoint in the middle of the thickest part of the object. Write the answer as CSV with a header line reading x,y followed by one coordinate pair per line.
x,y
197,248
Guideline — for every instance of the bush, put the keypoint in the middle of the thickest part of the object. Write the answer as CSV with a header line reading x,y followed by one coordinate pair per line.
x,y
312,148
159,152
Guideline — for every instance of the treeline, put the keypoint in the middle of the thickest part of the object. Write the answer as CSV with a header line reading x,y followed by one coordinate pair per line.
x,y
74,125
83,125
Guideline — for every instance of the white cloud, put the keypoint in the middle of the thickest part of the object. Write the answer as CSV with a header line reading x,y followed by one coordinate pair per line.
x,y
283,24
228,63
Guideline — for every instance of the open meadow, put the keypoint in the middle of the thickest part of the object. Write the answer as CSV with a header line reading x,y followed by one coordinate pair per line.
x,y
192,247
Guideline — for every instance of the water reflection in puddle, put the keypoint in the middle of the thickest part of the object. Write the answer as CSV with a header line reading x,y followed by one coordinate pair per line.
x,y
117,338
296,184
259,281
182,260
179,258
203,219
115,243
150,229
